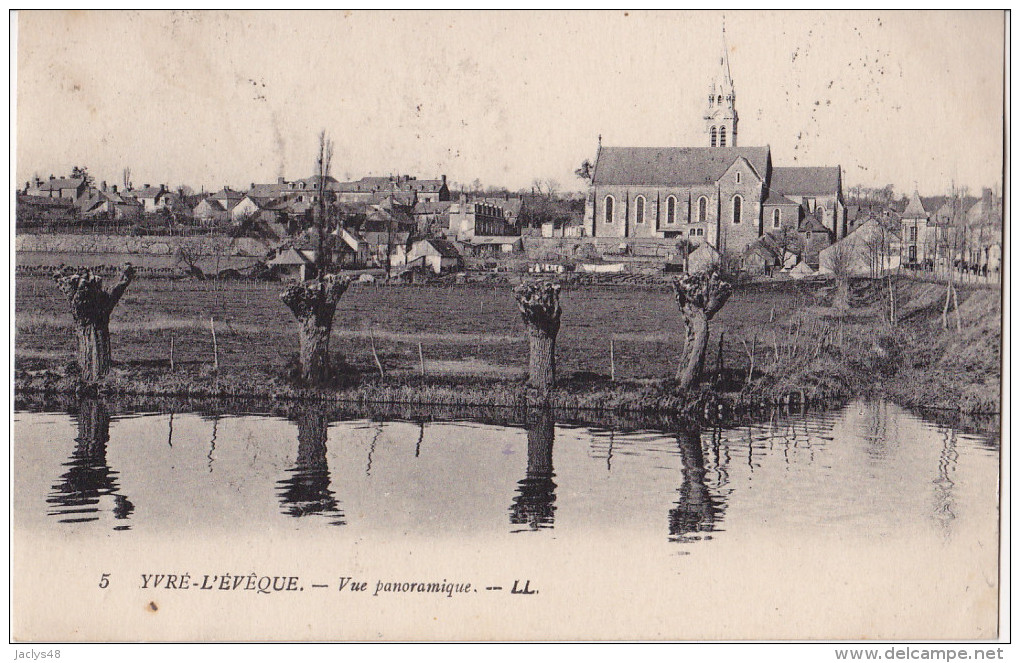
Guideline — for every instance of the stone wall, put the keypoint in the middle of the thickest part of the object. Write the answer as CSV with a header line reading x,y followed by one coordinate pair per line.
x,y
242,247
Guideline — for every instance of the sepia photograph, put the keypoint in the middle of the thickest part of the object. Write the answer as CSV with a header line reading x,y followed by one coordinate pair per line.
x,y
510,326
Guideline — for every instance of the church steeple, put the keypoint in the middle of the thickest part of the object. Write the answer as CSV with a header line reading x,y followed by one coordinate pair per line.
x,y
721,113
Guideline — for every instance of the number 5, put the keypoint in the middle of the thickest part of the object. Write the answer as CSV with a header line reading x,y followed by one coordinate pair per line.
x,y
104,582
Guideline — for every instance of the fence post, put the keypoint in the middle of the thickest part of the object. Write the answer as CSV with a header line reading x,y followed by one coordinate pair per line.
x,y
421,359
612,360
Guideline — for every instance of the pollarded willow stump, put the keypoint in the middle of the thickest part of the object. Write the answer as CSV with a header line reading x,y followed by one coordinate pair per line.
x,y
313,304
539,304
699,297
91,307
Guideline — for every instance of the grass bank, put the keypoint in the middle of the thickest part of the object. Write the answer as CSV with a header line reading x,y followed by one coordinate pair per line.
x,y
771,341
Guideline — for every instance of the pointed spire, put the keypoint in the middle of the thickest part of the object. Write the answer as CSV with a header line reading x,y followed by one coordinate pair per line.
x,y
724,57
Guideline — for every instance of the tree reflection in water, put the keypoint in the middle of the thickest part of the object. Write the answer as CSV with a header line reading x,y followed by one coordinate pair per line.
x,y
305,491
76,497
536,492
697,510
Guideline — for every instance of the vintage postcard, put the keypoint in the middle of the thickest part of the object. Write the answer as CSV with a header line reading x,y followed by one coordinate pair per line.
x,y
508,326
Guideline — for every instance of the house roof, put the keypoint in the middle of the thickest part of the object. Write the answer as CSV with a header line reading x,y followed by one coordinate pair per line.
x,y
811,224
211,203
444,247
492,239
915,208
805,180
147,192
227,192
62,183
432,207
672,166
290,256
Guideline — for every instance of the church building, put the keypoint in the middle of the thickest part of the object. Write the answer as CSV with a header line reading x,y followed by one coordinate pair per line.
x,y
723,194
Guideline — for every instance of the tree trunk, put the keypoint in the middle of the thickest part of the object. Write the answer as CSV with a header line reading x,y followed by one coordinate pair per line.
x,y
313,304
539,304
314,353
696,327
91,307
699,297
541,360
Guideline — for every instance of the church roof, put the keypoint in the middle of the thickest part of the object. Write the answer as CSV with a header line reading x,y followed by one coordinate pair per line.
x,y
776,198
672,166
805,180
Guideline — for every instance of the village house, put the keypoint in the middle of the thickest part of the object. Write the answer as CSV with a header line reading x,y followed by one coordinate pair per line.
x,y
439,255
471,219
152,198
294,264
57,187
495,246
216,208
108,203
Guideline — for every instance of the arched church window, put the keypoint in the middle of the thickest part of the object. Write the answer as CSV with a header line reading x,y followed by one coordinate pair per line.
x,y
609,209
713,137
718,99
671,209
722,136
738,203
776,219
702,209
639,209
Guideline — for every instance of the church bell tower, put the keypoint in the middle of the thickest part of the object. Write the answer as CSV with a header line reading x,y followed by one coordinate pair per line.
x,y
721,113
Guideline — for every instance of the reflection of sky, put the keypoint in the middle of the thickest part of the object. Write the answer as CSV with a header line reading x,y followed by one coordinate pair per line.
x,y
871,470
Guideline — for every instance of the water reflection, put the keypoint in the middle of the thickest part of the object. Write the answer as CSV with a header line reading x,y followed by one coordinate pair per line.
x,y
305,491
944,484
697,509
536,492
78,494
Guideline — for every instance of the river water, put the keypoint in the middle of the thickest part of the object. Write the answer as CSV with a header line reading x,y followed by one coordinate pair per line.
x,y
865,521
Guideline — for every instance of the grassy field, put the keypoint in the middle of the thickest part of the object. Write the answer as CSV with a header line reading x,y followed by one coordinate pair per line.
x,y
473,333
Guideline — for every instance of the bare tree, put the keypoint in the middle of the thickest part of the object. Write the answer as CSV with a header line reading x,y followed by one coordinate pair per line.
x,y
91,307
314,302
699,297
126,178
324,161
839,260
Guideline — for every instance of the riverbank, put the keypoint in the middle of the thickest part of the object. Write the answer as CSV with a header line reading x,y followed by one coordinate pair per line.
x,y
464,345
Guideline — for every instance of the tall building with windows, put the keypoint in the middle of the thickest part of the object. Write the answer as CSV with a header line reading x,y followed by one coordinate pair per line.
x,y
722,194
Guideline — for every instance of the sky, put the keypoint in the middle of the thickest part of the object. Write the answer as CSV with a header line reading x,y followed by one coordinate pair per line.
x,y
210,99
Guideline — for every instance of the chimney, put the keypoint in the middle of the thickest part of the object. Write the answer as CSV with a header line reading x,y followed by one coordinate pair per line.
x,y
280,180
115,188
102,185
146,186
51,176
